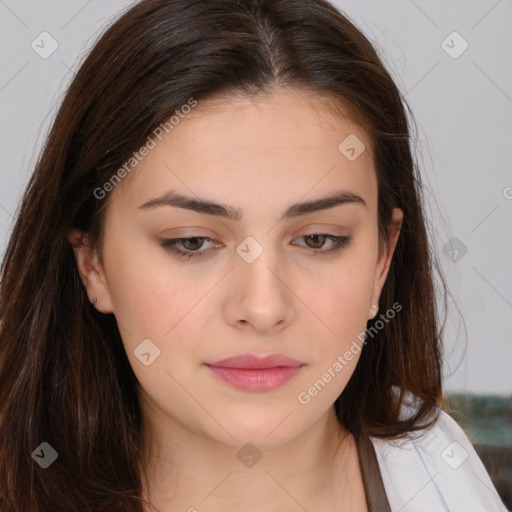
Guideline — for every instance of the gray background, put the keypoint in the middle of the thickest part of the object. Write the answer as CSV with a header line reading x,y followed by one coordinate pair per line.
x,y
462,105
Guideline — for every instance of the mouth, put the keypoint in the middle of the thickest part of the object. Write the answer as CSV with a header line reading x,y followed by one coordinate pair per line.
x,y
253,373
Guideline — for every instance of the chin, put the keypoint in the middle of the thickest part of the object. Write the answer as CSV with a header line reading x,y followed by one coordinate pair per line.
x,y
265,431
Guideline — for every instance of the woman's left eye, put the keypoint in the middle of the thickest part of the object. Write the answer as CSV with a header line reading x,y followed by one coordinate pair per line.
x,y
197,242
338,242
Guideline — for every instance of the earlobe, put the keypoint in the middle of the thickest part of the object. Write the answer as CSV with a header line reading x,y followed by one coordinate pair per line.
x,y
373,311
90,270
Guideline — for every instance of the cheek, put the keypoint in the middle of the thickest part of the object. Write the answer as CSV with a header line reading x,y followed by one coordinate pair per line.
x,y
157,311
344,300
341,310
148,297
343,306
151,302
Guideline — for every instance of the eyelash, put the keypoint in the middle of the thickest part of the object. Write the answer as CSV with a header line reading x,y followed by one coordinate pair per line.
x,y
340,243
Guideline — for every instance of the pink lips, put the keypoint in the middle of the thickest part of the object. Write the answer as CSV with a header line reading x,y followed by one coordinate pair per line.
x,y
253,373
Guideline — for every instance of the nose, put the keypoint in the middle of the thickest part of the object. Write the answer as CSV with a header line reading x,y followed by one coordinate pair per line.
x,y
260,296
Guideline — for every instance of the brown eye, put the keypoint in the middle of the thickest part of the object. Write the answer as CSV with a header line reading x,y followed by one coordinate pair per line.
x,y
197,243
190,244
316,242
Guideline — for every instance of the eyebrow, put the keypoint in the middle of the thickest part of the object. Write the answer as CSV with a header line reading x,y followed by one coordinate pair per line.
x,y
207,207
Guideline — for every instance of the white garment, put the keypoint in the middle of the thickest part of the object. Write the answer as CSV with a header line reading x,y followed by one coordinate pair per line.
x,y
438,471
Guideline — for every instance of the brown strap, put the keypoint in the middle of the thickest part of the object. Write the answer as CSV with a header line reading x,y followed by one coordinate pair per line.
x,y
376,498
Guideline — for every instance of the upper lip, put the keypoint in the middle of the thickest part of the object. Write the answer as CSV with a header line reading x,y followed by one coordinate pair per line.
x,y
257,362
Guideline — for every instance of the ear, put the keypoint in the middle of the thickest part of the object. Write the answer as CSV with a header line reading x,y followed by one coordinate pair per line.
x,y
90,270
384,259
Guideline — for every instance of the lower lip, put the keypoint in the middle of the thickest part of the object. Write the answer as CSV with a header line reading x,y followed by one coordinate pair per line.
x,y
256,380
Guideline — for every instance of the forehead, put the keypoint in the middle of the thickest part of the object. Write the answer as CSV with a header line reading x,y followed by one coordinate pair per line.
x,y
235,149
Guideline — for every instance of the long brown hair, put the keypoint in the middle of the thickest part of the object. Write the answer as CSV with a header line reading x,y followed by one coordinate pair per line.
x,y
65,378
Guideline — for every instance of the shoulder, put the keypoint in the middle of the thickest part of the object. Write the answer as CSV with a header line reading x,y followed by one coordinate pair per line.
x,y
435,469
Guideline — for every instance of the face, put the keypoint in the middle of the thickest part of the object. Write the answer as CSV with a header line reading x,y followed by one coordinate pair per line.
x,y
189,288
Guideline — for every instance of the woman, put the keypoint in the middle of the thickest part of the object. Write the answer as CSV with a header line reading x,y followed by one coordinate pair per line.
x,y
190,295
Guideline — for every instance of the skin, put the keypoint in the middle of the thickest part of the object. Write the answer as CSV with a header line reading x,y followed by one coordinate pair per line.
x,y
260,156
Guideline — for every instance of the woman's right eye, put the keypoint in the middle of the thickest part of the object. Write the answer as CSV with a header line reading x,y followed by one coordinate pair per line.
x,y
190,252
